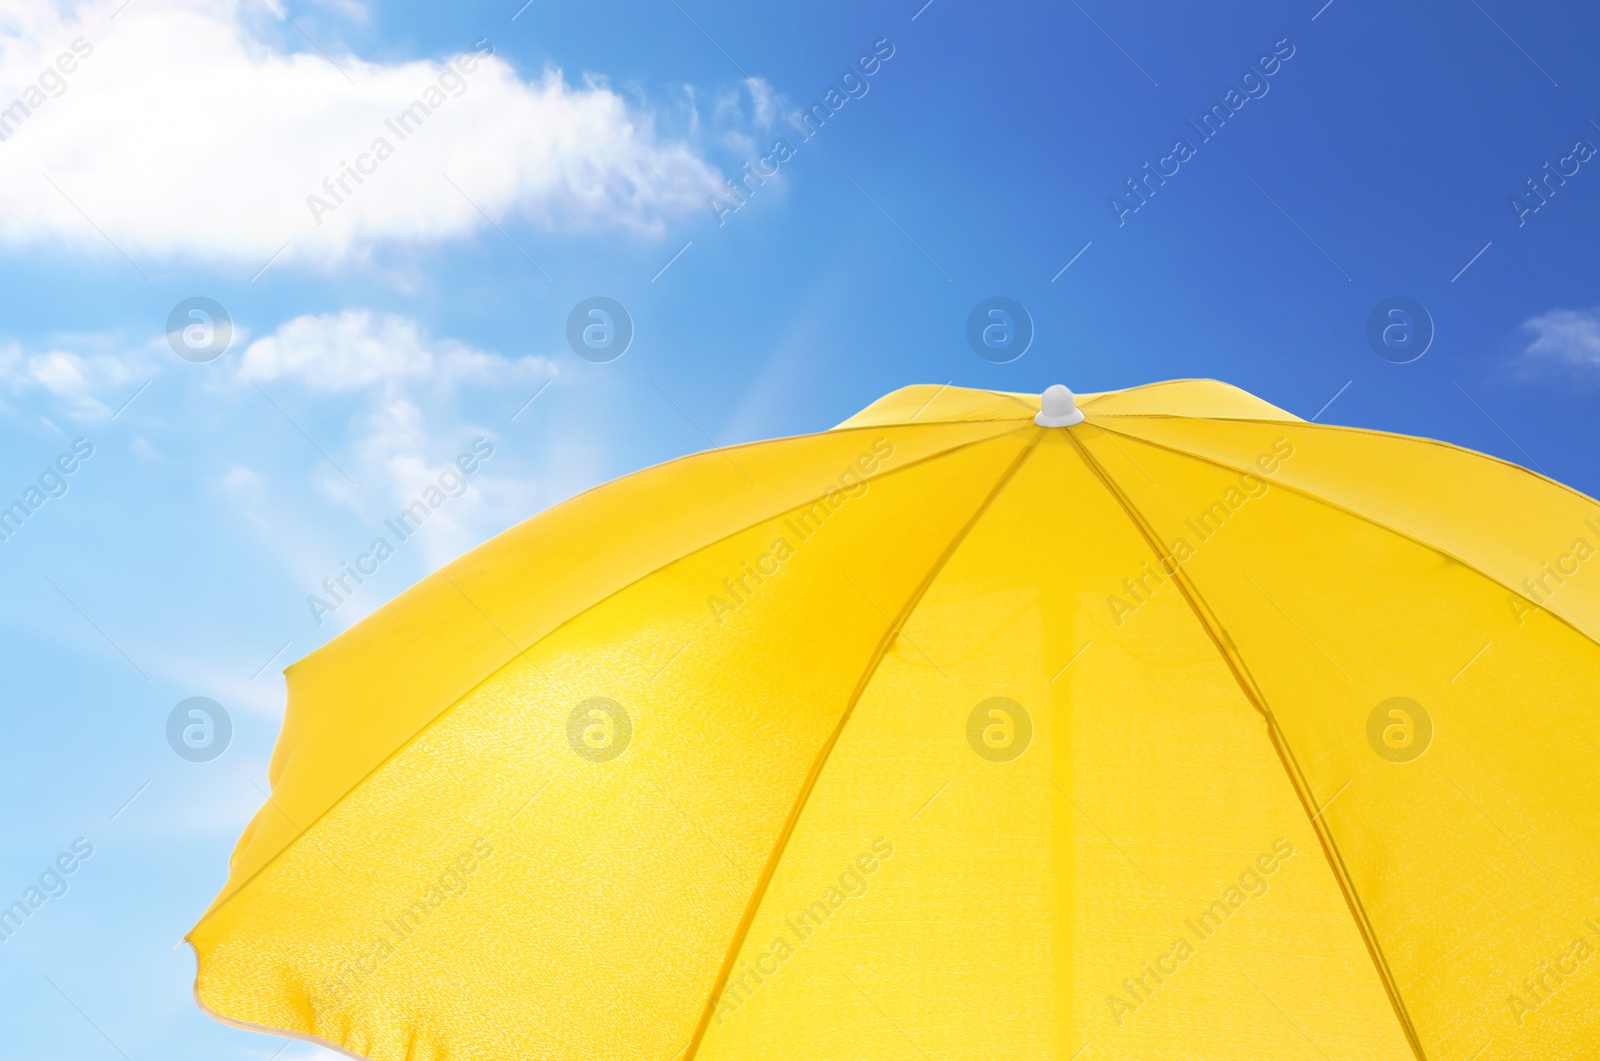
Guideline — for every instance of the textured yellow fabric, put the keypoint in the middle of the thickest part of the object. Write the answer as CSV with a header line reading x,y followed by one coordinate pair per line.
x,y
453,629
1192,731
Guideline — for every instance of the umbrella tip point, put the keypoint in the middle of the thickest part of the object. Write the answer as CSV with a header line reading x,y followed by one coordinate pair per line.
x,y
1058,408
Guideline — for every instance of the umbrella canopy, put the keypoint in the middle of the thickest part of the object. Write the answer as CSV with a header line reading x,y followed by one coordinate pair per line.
x,y
1175,728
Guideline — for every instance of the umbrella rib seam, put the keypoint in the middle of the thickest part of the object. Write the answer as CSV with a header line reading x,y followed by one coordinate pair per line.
x,y
724,451
1247,685
1151,386
222,901
1172,383
1380,524
1345,429
907,609
1012,397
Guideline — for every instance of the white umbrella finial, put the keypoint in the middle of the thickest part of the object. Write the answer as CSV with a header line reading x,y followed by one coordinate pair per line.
x,y
1058,408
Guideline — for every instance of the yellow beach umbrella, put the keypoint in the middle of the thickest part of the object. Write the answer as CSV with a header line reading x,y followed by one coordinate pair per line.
x,y
1175,727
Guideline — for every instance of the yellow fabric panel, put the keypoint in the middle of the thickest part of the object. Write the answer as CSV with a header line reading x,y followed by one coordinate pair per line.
x,y
1520,529
930,402
935,903
1473,861
369,690
491,891
1182,398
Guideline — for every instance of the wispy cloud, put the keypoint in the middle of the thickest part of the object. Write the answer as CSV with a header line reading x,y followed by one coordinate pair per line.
x,y
357,350
81,383
742,116
1563,339
407,424
374,409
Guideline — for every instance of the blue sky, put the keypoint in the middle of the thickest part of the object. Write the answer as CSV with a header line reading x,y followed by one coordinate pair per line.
x,y
581,157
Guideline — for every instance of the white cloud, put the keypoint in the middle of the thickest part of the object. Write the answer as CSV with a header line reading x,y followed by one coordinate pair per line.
x,y
390,405
1565,338
357,350
73,378
742,116
408,429
181,132
354,350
